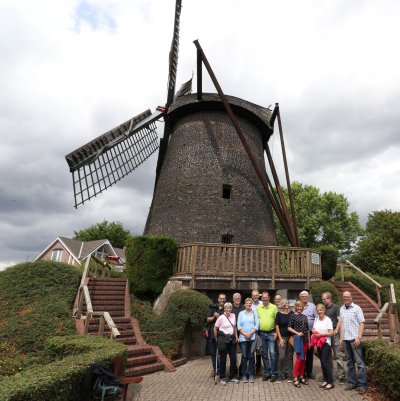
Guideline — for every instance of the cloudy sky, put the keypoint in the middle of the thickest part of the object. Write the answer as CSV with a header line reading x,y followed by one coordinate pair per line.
x,y
71,70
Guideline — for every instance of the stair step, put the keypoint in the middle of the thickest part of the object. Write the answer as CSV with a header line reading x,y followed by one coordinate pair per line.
x,y
141,360
120,326
140,370
109,302
126,340
108,297
135,350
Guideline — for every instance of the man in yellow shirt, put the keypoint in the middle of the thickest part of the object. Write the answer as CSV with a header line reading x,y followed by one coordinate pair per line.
x,y
267,314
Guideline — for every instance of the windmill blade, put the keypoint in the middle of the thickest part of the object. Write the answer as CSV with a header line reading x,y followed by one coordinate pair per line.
x,y
105,160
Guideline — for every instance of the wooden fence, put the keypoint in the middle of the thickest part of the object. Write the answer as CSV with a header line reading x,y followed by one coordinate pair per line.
x,y
236,261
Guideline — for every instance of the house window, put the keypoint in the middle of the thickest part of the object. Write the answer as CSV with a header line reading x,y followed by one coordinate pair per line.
x,y
227,239
56,255
226,191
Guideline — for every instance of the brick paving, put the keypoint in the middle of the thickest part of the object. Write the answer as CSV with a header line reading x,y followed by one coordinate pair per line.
x,y
190,382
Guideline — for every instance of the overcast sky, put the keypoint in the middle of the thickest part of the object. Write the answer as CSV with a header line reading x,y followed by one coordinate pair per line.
x,y
71,70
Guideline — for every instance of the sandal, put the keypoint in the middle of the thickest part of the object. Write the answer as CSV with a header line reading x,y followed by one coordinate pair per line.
x,y
302,380
323,384
331,386
296,383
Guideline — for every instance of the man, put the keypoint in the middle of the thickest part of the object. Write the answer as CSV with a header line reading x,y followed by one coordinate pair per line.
x,y
277,300
353,324
311,313
267,314
213,314
237,307
277,303
255,296
333,312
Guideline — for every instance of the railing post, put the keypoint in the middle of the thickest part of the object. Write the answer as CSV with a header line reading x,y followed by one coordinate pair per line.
x,y
275,263
87,322
193,265
342,271
101,326
379,331
308,263
378,296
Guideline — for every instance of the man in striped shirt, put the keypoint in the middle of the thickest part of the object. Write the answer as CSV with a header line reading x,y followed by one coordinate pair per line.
x,y
353,324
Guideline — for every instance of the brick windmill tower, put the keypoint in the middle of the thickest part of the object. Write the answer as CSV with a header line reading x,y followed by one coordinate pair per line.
x,y
211,184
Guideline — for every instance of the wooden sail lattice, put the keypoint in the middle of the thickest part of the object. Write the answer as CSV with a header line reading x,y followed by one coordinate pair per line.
x,y
107,159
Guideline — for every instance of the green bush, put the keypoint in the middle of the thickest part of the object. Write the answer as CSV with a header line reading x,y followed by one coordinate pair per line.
x,y
61,380
317,289
36,302
150,262
184,308
383,367
329,261
369,288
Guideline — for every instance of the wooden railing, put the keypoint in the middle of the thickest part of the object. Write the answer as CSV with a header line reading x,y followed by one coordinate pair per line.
x,y
235,261
390,308
84,296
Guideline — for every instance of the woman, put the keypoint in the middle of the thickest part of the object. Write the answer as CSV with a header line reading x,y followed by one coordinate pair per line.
x,y
247,326
226,334
298,325
285,362
321,338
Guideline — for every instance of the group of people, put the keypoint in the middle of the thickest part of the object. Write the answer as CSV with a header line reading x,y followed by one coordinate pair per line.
x,y
274,333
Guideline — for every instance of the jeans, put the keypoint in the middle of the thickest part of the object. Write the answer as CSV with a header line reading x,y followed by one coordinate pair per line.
x,y
231,350
285,363
247,358
336,356
268,347
323,354
355,357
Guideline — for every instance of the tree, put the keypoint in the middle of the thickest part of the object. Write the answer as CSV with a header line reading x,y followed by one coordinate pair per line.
x,y
379,251
322,219
113,231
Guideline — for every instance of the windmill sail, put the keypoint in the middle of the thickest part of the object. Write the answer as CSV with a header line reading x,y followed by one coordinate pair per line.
x,y
107,159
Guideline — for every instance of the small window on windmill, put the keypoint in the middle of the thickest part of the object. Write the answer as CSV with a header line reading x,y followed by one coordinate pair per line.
x,y
226,191
227,239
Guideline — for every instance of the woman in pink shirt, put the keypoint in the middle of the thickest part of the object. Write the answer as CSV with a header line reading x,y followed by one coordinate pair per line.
x,y
226,334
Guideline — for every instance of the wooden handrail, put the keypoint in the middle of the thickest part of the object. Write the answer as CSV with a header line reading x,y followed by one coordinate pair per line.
x,y
364,274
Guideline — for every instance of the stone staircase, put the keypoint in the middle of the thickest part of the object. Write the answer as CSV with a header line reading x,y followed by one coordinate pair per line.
x,y
112,295
369,307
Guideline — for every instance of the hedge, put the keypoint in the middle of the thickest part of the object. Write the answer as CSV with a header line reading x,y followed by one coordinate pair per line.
x,y
62,379
317,289
383,363
184,308
150,262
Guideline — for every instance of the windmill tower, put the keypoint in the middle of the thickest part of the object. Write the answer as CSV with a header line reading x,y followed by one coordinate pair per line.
x,y
211,184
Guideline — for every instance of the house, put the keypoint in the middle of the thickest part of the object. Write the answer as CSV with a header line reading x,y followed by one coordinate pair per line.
x,y
74,252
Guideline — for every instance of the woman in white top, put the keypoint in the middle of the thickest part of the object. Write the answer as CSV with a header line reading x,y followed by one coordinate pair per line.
x,y
323,328
226,334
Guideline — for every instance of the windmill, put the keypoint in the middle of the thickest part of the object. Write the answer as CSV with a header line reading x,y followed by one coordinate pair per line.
x,y
210,163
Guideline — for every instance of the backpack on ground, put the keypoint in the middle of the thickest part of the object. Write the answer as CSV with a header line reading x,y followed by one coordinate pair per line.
x,y
101,383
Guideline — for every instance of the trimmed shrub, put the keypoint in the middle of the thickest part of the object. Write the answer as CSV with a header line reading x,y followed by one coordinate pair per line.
x,y
329,261
62,379
150,262
317,289
184,308
383,367
36,301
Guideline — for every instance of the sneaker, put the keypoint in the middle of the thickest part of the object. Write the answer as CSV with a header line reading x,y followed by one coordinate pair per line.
x,y
342,380
280,379
289,379
266,378
362,390
273,379
234,380
223,382
349,388
244,379
251,379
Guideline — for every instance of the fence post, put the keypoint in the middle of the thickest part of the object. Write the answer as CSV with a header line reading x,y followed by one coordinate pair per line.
x,y
193,260
378,296
101,326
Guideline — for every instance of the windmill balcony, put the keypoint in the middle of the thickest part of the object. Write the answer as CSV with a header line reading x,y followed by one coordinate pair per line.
x,y
204,266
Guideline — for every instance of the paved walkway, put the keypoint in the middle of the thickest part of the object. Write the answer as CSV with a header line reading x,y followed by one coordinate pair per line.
x,y
190,382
